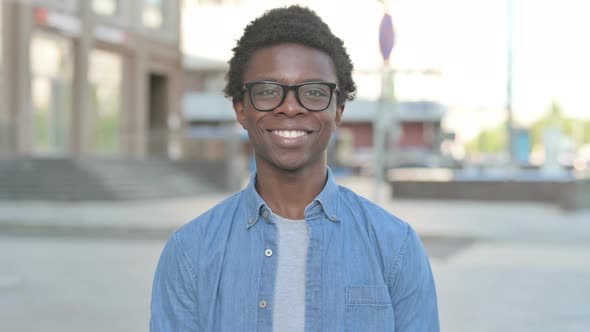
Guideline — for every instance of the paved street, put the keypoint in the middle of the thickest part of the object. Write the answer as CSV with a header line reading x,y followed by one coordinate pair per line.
x,y
515,287
89,267
102,284
75,283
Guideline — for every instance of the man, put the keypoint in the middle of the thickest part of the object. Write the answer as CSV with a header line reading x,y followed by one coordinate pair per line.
x,y
293,251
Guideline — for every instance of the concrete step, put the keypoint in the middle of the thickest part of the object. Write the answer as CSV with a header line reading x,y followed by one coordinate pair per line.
x,y
106,179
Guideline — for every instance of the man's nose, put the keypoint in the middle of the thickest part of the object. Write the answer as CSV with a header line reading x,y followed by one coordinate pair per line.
x,y
291,106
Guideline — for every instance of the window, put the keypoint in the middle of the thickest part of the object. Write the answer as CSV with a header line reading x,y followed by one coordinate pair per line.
x,y
105,99
52,64
152,15
105,7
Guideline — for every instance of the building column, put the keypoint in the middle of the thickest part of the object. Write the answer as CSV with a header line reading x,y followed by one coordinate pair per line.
x,y
19,75
6,117
138,123
174,119
126,131
81,117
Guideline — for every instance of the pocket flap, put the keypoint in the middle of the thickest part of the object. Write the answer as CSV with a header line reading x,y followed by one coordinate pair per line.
x,y
368,295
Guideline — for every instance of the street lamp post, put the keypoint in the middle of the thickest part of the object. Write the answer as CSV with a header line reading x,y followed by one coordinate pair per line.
x,y
382,118
509,111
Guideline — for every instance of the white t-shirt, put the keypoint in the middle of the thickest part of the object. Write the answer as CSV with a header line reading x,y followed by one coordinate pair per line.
x,y
289,302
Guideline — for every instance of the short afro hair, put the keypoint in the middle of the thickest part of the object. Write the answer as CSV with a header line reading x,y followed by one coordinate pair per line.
x,y
294,24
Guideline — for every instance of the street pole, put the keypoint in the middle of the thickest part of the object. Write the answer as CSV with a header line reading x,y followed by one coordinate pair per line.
x,y
510,120
386,39
378,140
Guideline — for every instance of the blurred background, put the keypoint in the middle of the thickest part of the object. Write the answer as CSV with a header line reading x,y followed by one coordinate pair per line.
x,y
471,122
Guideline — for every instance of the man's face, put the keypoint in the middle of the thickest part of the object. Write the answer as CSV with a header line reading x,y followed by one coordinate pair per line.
x,y
290,137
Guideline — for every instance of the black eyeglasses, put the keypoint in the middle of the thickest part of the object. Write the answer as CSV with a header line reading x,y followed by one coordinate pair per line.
x,y
313,96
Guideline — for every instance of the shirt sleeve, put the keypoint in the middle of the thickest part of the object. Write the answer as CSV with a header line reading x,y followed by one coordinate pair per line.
x,y
413,292
174,296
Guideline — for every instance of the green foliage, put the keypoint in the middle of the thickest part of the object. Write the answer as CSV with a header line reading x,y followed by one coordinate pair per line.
x,y
496,139
489,141
568,126
553,118
586,128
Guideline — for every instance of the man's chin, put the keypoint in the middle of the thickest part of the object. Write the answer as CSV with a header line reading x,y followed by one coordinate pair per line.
x,y
292,167
296,166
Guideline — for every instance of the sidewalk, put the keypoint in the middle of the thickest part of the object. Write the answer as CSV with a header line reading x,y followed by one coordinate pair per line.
x,y
469,219
525,263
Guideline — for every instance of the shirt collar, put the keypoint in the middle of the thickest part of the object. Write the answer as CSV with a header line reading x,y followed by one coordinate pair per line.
x,y
326,202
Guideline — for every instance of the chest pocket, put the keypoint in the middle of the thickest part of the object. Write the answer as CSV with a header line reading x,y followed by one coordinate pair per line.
x,y
368,308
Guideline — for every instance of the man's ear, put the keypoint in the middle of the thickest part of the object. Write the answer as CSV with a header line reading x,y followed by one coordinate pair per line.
x,y
240,113
338,118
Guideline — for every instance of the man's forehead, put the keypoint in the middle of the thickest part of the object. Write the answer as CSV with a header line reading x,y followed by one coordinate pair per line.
x,y
290,61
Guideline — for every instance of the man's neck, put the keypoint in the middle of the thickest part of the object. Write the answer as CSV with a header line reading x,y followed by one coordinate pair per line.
x,y
289,193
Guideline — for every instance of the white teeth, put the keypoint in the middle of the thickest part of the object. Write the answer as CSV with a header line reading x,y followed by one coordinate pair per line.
x,y
289,133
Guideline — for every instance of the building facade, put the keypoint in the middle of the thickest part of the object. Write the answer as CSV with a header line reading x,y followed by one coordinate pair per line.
x,y
96,78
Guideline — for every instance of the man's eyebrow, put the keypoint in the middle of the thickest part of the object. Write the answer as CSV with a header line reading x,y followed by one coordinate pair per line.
x,y
275,80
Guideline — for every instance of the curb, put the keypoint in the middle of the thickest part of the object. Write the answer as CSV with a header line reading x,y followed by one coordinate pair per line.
x,y
91,231
31,228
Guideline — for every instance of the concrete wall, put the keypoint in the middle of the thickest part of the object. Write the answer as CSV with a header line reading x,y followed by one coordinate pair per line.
x,y
572,194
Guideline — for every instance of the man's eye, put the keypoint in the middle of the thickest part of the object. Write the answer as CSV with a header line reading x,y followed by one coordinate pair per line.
x,y
267,92
315,93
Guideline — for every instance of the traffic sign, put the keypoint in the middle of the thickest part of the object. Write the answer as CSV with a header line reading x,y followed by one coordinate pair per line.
x,y
386,37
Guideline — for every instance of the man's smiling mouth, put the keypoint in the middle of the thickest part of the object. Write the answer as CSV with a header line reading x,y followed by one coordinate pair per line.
x,y
290,133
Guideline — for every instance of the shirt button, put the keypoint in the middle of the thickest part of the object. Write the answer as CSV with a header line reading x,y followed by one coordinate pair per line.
x,y
268,252
265,214
262,304
250,221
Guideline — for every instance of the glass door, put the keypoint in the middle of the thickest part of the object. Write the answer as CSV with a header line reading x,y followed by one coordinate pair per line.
x,y
105,76
52,63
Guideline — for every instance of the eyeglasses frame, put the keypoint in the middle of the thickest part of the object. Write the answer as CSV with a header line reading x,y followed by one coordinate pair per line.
x,y
286,88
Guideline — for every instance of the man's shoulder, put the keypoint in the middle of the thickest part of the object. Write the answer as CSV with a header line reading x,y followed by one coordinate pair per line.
x,y
220,215
370,212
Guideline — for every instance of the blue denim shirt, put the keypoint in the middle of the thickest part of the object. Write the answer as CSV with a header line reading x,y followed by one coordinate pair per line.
x,y
366,269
